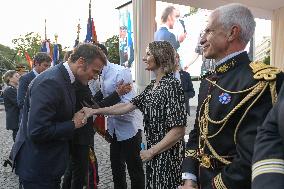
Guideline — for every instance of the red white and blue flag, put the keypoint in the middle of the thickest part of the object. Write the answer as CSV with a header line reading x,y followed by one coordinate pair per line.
x,y
45,47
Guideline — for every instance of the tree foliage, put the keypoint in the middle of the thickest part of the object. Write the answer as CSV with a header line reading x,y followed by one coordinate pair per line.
x,y
7,59
112,45
192,11
266,60
30,42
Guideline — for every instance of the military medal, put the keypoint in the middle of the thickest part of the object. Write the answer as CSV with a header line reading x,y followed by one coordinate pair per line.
x,y
225,98
205,161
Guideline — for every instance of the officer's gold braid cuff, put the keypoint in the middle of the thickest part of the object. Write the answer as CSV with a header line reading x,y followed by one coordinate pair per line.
x,y
267,166
191,154
218,182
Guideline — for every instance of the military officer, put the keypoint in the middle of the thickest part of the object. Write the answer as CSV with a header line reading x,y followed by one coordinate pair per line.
x,y
232,103
268,160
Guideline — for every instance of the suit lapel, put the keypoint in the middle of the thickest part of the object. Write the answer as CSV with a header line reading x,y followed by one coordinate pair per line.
x,y
71,92
69,86
33,74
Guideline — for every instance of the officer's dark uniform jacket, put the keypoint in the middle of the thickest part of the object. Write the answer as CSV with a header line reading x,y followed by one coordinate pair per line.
x,y
268,160
232,103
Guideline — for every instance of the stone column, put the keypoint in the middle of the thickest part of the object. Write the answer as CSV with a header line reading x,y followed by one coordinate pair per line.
x,y
144,12
251,52
277,38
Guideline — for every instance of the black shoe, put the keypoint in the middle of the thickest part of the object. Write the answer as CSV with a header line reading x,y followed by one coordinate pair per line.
x,y
8,162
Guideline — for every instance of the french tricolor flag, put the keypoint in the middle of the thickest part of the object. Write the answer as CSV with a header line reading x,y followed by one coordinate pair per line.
x,y
46,47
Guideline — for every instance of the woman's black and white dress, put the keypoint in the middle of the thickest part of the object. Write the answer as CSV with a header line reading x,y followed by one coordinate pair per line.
x,y
163,108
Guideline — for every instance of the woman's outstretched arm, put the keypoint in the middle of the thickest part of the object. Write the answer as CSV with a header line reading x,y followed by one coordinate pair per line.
x,y
118,109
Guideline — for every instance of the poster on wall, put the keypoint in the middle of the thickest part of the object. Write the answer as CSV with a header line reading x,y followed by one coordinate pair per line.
x,y
126,38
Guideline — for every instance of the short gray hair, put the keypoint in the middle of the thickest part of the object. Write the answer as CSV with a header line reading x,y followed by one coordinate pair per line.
x,y
237,14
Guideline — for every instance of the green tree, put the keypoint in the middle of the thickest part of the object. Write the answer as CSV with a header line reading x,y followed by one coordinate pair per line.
x,y
192,10
112,45
7,60
30,43
7,57
266,60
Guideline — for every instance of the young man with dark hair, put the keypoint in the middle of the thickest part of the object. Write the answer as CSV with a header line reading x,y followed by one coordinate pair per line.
x,y
42,62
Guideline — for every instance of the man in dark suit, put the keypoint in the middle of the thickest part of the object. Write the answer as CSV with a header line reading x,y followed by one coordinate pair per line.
x,y
232,103
41,149
187,87
41,63
83,138
186,83
163,34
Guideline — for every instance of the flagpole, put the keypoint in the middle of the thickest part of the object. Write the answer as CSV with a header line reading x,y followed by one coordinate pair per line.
x,y
78,30
56,37
90,7
45,29
90,16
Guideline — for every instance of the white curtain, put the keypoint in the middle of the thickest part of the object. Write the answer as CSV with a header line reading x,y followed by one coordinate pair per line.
x,y
277,38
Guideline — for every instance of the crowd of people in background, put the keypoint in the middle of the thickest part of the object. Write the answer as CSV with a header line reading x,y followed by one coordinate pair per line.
x,y
54,112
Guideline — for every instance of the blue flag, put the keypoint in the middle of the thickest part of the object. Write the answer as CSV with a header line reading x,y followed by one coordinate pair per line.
x,y
55,54
43,47
89,26
89,31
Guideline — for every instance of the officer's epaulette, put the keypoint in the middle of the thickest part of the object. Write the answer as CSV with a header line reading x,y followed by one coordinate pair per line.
x,y
205,75
263,71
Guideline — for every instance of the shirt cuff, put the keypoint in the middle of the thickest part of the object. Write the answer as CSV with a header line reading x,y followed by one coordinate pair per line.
x,y
188,176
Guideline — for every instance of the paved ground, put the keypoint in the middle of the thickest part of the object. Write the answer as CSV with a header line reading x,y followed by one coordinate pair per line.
x,y
8,180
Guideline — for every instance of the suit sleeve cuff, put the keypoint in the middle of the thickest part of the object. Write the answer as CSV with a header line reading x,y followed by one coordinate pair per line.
x,y
65,130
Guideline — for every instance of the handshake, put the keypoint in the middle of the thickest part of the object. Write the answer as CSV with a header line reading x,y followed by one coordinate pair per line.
x,y
80,117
